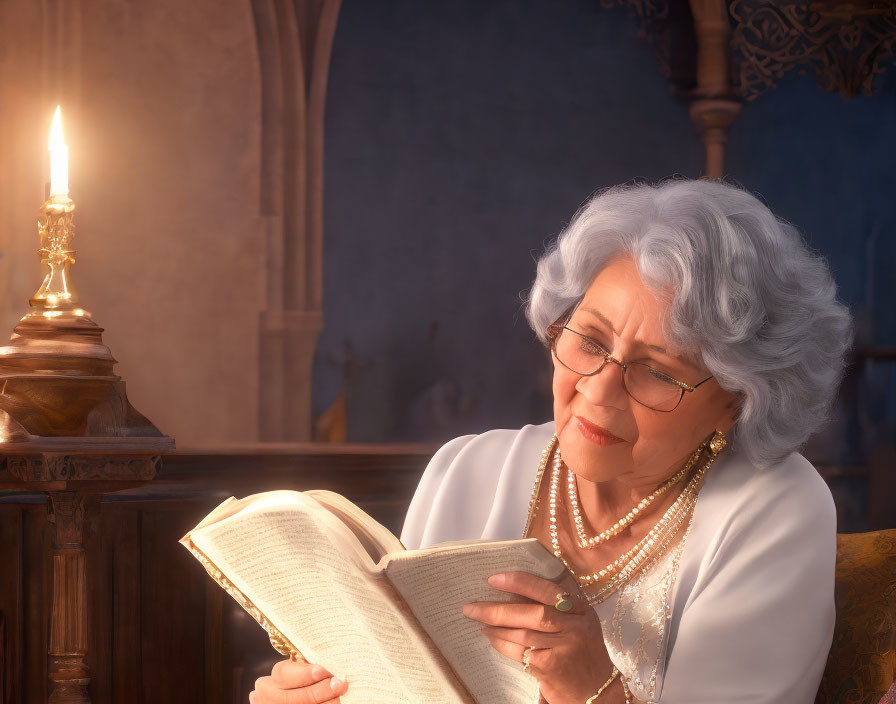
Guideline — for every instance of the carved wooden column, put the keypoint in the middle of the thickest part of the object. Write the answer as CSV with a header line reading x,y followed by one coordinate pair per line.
x,y
742,48
715,108
68,671
294,41
691,42
74,472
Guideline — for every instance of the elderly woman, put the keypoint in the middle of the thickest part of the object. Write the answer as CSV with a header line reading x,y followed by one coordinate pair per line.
x,y
696,344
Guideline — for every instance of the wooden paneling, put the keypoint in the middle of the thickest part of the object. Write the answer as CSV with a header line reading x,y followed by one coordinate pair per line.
x,y
172,623
159,629
4,666
121,526
38,595
11,600
25,596
213,680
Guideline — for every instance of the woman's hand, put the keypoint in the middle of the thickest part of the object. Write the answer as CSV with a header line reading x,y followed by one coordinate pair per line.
x,y
298,683
570,659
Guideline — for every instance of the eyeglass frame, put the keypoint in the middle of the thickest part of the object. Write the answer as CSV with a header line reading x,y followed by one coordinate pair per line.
x,y
553,333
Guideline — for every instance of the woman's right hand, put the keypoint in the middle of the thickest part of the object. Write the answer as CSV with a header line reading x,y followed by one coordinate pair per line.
x,y
298,683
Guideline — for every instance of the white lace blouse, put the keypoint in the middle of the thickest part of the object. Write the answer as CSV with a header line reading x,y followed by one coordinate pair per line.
x,y
740,612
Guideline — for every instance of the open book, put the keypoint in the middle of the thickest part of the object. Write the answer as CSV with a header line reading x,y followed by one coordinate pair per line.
x,y
332,586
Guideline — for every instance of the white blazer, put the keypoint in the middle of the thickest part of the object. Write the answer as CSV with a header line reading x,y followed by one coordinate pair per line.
x,y
751,607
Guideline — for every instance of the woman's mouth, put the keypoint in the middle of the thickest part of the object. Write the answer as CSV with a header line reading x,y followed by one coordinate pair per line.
x,y
596,434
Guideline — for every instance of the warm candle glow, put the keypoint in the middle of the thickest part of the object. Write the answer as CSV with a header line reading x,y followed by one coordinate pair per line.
x,y
58,157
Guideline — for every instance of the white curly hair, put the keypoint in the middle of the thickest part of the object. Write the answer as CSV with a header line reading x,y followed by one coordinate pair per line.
x,y
749,298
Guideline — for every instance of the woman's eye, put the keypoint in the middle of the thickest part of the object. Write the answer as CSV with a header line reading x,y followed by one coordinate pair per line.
x,y
592,347
659,376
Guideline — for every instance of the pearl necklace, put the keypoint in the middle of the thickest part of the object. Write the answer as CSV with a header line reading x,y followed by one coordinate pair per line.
x,y
605,591
672,517
635,566
652,546
585,542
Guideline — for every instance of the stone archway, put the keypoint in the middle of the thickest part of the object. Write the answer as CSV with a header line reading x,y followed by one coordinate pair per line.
x,y
294,42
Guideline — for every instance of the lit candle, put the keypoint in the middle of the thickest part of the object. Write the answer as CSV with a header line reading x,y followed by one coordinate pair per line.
x,y
58,158
55,294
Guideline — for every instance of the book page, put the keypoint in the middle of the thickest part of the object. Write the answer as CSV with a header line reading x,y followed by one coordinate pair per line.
x,y
436,582
304,570
373,535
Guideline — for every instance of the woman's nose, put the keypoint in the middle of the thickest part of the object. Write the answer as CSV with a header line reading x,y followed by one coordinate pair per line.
x,y
604,388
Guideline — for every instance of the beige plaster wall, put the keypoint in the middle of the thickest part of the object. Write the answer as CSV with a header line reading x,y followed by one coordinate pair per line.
x,y
161,110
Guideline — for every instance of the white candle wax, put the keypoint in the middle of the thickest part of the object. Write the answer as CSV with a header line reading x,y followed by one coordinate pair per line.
x,y
58,157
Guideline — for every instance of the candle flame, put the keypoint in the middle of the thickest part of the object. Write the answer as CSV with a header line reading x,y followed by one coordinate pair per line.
x,y
56,140
58,157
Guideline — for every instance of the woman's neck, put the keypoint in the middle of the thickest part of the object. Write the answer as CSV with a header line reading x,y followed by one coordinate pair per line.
x,y
604,503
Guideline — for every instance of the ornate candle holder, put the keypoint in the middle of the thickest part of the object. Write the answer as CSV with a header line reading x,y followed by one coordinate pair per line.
x,y
56,375
68,430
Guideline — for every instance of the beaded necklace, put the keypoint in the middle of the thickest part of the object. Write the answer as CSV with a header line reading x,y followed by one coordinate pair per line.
x,y
651,546
585,542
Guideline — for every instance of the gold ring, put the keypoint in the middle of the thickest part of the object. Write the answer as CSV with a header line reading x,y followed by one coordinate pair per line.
x,y
564,602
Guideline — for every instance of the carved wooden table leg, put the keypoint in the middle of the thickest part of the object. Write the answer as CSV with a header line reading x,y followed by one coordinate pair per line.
x,y
67,666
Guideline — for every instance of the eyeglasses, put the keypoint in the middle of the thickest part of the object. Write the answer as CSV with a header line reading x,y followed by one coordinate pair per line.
x,y
648,386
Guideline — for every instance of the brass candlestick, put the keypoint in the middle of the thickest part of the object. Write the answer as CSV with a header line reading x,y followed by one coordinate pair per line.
x,y
67,429
56,375
57,233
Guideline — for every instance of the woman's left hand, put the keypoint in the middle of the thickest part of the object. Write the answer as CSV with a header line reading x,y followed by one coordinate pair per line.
x,y
570,659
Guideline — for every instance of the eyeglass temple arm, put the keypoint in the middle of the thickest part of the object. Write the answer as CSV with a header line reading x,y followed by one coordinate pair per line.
x,y
701,382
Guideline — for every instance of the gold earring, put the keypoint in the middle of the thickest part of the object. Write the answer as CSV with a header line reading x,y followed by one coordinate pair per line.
x,y
718,442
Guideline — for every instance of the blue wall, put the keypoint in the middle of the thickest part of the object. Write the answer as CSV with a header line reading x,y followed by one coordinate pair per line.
x,y
462,134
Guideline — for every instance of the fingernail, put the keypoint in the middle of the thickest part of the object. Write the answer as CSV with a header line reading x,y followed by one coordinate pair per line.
x,y
467,609
496,580
336,683
318,671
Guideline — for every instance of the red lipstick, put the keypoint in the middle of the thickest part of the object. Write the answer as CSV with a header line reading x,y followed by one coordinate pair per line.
x,y
596,434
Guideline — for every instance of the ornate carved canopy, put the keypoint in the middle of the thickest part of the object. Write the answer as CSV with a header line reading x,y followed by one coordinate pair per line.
x,y
846,44
718,53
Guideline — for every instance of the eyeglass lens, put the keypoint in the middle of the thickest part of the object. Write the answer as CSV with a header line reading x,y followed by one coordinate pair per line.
x,y
645,384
